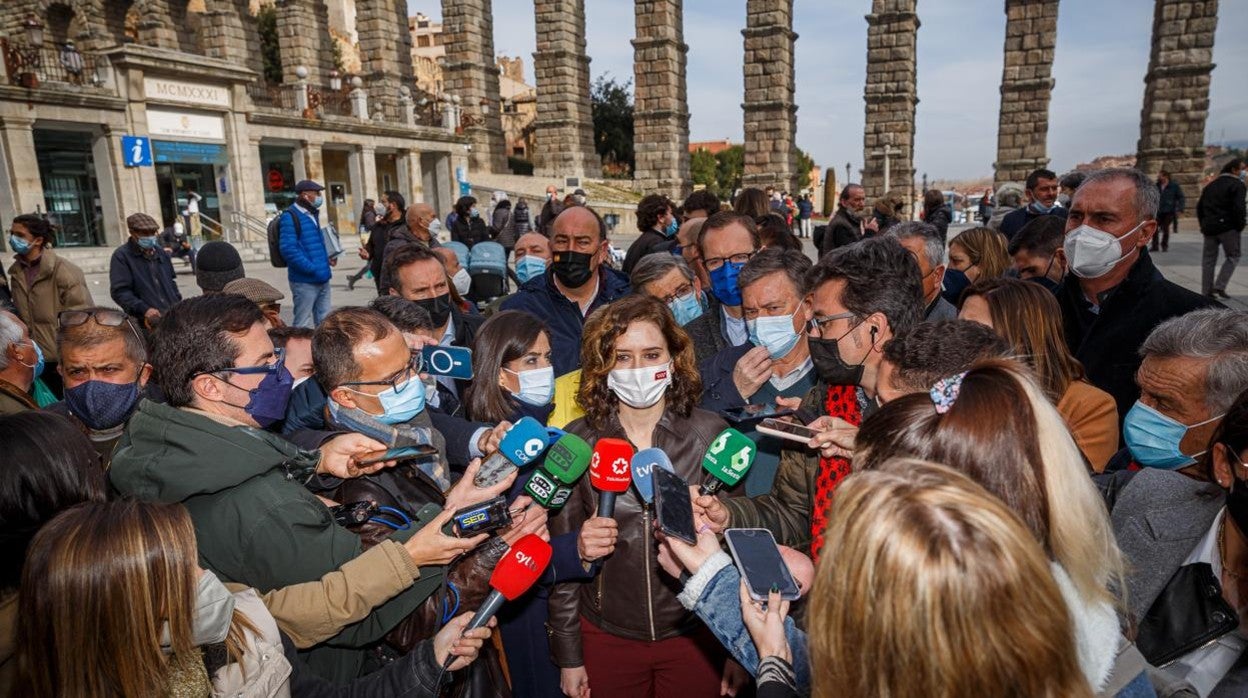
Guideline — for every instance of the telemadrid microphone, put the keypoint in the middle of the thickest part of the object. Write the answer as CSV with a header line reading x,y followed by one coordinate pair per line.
x,y
519,570
566,461
643,466
727,460
610,471
523,442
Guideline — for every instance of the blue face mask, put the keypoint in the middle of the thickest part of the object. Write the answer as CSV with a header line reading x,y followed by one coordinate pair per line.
x,y
1153,438
318,201
148,242
530,266
724,283
18,245
1041,208
537,386
775,333
100,405
955,282
39,362
686,308
671,228
401,405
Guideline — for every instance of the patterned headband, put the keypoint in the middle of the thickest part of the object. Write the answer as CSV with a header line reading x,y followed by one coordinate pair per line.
x,y
945,392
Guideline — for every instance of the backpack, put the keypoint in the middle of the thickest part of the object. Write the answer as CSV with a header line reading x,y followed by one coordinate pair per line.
x,y
274,234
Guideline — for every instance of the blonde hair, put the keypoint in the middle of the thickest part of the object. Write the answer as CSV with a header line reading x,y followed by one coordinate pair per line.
x,y
100,583
929,586
1004,433
987,250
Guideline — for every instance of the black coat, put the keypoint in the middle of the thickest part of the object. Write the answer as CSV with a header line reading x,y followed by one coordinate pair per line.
x,y
139,281
1019,217
1108,344
940,217
1221,205
469,230
842,230
650,242
381,234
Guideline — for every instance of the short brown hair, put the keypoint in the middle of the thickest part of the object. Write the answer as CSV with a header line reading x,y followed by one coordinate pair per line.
x,y
723,219
333,345
603,328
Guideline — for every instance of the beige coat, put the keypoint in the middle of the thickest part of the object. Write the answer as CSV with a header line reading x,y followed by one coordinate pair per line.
x,y
265,671
59,285
1092,417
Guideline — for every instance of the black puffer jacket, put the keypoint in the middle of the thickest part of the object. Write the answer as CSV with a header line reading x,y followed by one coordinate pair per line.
x,y
1221,205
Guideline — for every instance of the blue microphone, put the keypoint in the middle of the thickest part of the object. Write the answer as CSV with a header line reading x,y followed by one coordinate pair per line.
x,y
643,465
523,443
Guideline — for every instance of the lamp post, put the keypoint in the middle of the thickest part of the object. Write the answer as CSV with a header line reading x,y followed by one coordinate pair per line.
x,y
335,81
34,31
848,177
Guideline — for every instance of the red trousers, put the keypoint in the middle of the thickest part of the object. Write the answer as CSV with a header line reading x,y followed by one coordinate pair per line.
x,y
689,666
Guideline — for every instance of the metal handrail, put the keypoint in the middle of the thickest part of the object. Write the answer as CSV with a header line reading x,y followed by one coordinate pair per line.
x,y
246,227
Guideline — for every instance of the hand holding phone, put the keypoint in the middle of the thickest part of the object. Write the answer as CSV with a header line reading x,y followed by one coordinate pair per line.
x,y
782,429
762,568
400,453
673,506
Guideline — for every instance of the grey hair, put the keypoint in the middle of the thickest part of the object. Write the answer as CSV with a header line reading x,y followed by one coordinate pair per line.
x,y
792,263
1216,334
933,243
1147,195
1009,194
11,331
655,266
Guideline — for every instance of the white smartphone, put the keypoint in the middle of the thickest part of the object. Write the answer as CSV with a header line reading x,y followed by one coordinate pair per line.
x,y
758,559
782,429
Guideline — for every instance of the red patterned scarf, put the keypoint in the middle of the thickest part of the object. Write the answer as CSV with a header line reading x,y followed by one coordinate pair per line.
x,y
842,402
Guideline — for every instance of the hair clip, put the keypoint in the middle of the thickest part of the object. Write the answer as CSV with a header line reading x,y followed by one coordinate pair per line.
x,y
945,392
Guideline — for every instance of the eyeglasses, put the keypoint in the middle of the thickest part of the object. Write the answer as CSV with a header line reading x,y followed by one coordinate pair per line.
x,y
409,372
713,263
684,290
279,358
105,318
815,326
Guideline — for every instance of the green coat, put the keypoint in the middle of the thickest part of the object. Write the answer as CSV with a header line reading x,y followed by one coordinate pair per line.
x,y
255,522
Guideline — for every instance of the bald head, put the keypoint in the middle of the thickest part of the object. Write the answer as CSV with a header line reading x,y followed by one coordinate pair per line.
x,y
577,221
534,244
419,216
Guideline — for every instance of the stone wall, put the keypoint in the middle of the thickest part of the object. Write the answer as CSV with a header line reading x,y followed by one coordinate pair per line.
x,y
1176,92
661,111
471,74
229,33
385,53
303,36
770,110
1026,85
891,96
565,121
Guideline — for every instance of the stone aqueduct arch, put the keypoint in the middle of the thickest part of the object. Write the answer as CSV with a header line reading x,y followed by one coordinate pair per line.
x,y
1172,120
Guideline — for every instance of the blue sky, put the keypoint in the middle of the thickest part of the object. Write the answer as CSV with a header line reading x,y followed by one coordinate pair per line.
x,y
1099,65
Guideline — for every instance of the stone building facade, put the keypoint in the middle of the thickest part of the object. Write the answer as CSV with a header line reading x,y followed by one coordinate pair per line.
x,y
565,128
1026,86
770,94
1176,92
891,95
135,116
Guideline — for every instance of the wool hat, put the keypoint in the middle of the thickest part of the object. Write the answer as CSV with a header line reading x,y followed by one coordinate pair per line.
x,y
216,265
254,290
141,223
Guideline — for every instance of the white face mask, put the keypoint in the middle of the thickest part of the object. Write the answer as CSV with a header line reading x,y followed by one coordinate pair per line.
x,y
177,227
1092,253
537,385
462,281
640,387
435,230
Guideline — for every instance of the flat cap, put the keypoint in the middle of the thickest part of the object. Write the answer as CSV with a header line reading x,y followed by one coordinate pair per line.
x,y
142,223
308,185
254,290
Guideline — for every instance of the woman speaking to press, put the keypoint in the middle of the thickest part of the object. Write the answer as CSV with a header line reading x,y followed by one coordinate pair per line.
x,y
624,633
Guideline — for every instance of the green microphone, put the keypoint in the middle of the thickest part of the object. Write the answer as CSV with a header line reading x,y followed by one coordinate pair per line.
x,y
566,461
727,460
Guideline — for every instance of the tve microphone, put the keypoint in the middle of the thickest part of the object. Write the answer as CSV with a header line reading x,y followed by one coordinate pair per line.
x,y
519,570
566,461
726,461
643,466
610,471
523,442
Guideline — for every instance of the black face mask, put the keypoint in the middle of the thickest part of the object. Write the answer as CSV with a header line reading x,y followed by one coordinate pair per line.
x,y
572,268
1046,282
1237,496
439,308
825,354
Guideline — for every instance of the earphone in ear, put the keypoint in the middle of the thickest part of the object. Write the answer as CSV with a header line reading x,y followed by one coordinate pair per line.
x,y
874,331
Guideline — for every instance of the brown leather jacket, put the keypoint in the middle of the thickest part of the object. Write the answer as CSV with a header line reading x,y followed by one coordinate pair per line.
x,y
631,597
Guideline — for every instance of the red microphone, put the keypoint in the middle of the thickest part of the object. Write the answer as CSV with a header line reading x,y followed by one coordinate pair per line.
x,y
520,568
610,471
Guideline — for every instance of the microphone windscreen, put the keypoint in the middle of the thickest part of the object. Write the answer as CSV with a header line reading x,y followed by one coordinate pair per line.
x,y
610,467
568,458
522,565
524,441
643,466
729,456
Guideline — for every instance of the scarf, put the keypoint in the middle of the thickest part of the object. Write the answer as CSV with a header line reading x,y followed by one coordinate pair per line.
x,y
393,436
842,402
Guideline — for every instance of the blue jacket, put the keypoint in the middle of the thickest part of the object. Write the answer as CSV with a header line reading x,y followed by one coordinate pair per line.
x,y
804,209
138,282
307,262
543,300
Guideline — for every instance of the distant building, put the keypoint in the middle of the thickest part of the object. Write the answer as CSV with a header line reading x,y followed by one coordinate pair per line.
x,y
712,147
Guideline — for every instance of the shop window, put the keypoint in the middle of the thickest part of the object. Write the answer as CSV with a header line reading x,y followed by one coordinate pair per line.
x,y
70,187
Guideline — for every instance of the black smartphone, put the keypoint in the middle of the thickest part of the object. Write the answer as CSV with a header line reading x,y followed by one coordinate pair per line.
x,y
484,517
673,507
758,559
753,413
422,451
